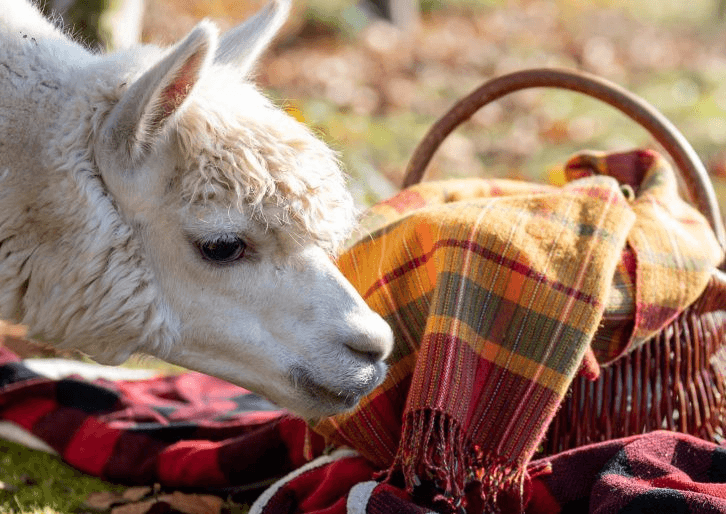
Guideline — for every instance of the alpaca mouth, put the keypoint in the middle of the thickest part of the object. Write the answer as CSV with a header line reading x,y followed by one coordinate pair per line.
x,y
336,398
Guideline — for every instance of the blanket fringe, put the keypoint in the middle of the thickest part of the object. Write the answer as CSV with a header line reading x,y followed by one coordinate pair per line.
x,y
432,445
434,454
674,381
501,484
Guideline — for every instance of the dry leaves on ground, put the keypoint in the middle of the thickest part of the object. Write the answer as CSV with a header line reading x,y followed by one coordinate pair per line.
x,y
144,500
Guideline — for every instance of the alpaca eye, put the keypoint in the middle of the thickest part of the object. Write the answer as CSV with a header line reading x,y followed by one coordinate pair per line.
x,y
223,251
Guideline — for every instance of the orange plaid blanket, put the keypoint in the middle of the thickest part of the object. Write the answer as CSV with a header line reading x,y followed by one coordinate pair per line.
x,y
496,290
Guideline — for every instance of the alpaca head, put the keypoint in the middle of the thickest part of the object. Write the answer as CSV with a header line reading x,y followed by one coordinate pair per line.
x,y
238,209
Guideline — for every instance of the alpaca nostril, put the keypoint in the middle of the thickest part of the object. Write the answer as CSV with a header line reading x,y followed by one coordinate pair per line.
x,y
371,356
372,346
369,338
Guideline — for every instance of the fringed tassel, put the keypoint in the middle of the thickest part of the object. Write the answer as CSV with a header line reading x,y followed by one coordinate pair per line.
x,y
438,465
501,484
432,452
674,381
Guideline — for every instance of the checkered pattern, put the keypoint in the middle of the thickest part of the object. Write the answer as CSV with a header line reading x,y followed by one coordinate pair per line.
x,y
189,430
661,471
495,291
664,472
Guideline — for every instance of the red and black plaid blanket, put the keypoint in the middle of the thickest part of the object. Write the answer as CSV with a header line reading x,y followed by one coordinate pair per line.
x,y
189,430
196,432
498,293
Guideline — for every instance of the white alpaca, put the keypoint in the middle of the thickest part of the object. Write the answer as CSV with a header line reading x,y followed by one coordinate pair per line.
x,y
154,201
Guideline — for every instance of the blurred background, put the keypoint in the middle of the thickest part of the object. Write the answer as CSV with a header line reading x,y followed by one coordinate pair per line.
x,y
371,81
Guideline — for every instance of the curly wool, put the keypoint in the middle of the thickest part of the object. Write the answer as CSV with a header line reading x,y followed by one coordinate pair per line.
x,y
267,164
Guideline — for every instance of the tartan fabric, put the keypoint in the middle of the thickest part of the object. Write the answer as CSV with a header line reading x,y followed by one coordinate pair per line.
x,y
664,472
189,430
498,293
339,483
495,290
661,471
675,249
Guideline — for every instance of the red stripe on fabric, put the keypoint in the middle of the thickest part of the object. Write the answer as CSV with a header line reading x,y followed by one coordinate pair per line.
x,y
28,413
488,255
523,269
402,270
627,258
296,435
541,500
375,431
191,463
405,200
91,447
323,490
654,317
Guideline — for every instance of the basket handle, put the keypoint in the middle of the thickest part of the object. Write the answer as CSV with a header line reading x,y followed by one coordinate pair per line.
x,y
694,173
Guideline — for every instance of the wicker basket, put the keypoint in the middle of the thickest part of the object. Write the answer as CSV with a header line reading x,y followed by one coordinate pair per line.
x,y
677,379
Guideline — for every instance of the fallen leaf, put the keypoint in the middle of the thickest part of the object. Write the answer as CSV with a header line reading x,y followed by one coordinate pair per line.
x,y
144,507
134,494
102,500
193,503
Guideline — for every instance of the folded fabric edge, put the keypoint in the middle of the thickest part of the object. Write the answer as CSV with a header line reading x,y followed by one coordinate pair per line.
x,y
340,453
14,433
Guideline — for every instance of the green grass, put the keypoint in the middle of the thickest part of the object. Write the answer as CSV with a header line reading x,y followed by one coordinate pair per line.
x,y
36,482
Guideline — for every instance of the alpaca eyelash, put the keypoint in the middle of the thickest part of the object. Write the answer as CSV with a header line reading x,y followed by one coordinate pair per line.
x,y
224,249
219,238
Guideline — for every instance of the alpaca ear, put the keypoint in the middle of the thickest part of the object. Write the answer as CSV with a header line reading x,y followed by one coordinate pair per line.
x,y
138,119
242,45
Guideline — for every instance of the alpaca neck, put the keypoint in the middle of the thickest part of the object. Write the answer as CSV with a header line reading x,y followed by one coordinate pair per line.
x,y
67,260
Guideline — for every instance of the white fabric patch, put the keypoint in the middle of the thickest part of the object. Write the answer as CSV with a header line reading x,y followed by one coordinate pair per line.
x,y
17,434
56,369
358,497
261,502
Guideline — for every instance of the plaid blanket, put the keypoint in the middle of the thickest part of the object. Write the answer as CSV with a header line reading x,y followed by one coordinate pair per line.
x,y
660,471
192,431
498,293
495,290
656,472
189,431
